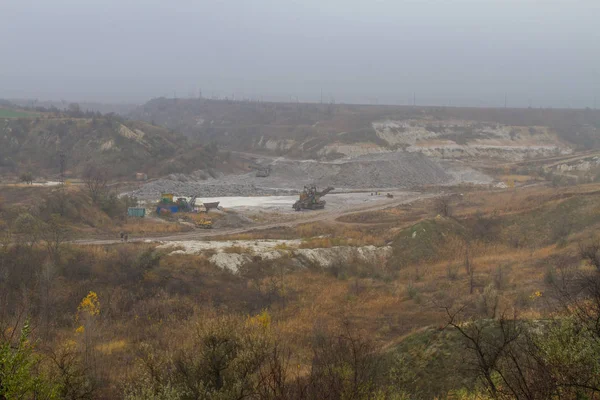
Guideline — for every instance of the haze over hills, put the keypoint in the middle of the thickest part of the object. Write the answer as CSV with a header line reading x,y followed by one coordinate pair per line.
x,y
101,107
458,52
333,130
33,141
323,199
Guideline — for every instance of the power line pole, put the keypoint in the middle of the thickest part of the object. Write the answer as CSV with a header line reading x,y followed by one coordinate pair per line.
x,y
63,164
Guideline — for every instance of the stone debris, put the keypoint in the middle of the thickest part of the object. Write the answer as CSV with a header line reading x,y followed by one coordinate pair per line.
x,y
399,170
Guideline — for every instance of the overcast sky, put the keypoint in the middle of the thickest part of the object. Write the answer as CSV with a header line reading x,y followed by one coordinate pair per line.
x,y
459,52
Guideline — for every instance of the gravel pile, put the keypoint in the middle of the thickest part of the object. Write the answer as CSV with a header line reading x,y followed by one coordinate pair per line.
x,y
213,188
389,170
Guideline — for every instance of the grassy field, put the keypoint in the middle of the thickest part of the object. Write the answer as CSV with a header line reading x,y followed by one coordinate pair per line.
x,y
5,113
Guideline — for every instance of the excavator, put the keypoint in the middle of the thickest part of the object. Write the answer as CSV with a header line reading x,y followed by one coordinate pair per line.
x,y
186,206
310,198
261,171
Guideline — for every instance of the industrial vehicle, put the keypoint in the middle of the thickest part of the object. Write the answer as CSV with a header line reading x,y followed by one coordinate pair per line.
x,y
310,198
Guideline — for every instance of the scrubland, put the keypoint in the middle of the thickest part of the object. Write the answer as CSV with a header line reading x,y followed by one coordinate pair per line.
x,y
487,294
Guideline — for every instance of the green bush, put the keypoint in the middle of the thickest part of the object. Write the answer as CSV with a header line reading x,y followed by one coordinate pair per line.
x,y
19,376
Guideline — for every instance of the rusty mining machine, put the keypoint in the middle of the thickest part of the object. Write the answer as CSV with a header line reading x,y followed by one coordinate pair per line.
x,y
310,198
261,171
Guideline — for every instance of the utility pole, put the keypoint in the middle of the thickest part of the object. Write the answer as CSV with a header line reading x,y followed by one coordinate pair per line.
x,y
414,98
63,164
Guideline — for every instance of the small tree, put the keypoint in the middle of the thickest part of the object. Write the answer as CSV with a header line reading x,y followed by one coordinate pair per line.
x,y
442,207
28,226
74,110
74,378
26,177
55,233
18,376
86,317
96,182
344,366
590,252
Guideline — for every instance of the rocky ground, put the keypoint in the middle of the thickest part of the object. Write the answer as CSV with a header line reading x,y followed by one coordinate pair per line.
x,y
398,170
231,255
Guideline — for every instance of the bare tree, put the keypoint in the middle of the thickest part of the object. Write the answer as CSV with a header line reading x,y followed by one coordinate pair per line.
x,y
96,181
485,227
26,177
55,233
467,260
344,365
74,110
442,206
29,227
590,251
75,378
504,357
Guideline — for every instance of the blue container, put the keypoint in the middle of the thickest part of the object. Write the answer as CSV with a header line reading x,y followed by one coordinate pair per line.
x,y
172,209
139,212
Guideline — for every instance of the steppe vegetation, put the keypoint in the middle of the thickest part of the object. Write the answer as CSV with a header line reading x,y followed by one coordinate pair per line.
x,y
496,299
487,292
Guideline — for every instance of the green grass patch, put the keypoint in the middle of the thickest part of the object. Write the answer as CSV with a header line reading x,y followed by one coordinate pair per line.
x,y
428,363
555,222
424,242
7,113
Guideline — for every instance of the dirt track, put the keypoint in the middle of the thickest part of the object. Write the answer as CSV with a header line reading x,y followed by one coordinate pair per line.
x,y
328,214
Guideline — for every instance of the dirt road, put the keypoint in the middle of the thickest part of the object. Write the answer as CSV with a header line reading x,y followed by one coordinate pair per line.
x,y
328,214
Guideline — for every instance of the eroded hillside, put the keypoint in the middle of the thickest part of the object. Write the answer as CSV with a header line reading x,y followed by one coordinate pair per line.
x,y
327,131
34,143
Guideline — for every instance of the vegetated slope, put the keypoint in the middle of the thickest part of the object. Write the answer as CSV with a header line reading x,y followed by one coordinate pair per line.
x,y
393,313
104,108
333,130
121,147
278,128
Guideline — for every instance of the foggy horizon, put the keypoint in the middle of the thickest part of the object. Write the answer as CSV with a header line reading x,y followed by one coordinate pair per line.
x,y
457,53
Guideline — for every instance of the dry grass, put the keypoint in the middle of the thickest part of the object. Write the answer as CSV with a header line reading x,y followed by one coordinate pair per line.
x,y
148,226
321,234
238,250
114,346
517,178
182,287
376,217
518,199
